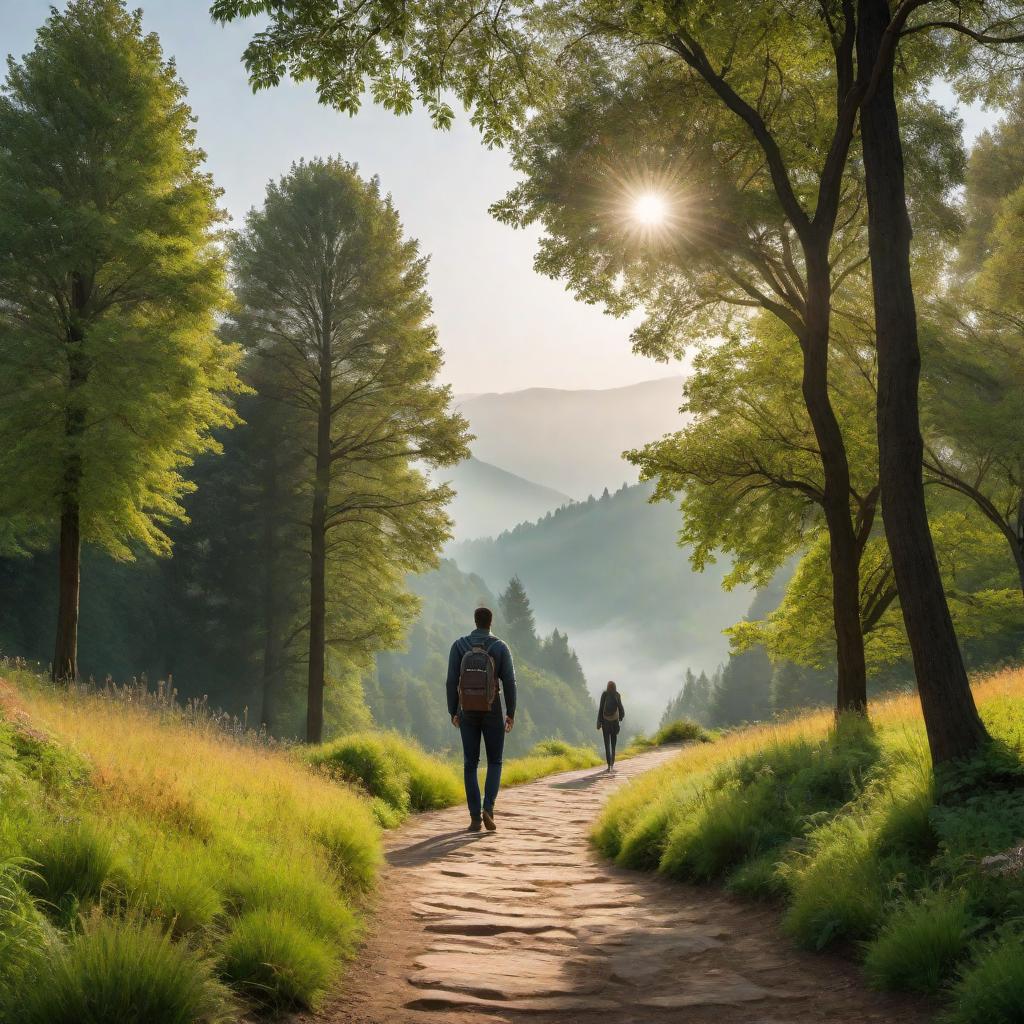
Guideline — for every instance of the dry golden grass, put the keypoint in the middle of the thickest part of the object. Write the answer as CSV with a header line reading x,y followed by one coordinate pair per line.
x,y
191,779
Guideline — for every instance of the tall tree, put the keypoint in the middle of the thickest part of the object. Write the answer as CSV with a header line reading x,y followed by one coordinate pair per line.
x,y
110,282
332,298
954,727
519,622
558,657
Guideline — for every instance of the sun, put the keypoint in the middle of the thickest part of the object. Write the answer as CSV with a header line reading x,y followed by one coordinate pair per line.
x,y
650,209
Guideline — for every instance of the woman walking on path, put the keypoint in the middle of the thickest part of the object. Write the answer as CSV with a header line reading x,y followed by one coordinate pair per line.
x,y
609,713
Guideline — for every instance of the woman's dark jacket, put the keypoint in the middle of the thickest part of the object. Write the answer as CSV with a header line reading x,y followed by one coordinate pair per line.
x,y
608,700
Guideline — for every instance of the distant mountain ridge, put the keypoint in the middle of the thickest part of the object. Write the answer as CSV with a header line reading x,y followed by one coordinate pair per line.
x,y
489,500
571,441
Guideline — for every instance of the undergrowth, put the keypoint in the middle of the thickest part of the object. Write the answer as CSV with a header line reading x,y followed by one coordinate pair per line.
x,y
548,758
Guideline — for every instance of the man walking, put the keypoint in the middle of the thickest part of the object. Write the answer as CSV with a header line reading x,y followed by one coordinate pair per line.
x,y
476,664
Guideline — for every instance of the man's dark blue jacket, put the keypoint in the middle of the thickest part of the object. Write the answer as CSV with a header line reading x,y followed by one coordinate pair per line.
x,y
502,656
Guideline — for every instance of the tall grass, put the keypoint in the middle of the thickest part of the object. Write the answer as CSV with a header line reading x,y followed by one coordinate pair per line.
x,y
275,960
990,989
168,826
71,862
848,829
401,778
123,972
180,837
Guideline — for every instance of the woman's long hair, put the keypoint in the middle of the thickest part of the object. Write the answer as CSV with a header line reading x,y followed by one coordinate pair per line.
x,y
611,688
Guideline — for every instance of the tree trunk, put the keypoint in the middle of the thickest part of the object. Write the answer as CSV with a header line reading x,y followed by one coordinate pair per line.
x,y
1018,543
271,625
951,718
844,552
64,668
318,547
1018,557
65,651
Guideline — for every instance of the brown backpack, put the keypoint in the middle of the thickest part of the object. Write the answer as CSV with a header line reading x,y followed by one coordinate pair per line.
x,y
478,679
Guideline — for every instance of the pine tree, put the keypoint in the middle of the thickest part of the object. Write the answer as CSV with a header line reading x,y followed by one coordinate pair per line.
x,y
742,693
519,624
703,690
333,302
559,658
110,281
692,701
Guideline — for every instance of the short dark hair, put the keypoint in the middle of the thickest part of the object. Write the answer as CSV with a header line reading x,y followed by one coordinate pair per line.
x,y
483,617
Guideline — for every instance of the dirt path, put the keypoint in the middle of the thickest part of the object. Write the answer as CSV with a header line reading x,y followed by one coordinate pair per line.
x,y
530,925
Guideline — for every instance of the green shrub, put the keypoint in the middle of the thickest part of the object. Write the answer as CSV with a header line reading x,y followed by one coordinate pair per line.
x,y
384,814
128,973
368,761
723,828
683,730
766,799
71,862
393,769
643,845
275,962
173,891
310,900
991,989
432,783
353,853
920,944
553,748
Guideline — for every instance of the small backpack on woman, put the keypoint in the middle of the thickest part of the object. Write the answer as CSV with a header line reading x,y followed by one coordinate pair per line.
x,y
611,706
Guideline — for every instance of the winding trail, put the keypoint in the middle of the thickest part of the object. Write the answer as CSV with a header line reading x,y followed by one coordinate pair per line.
x,y
530,925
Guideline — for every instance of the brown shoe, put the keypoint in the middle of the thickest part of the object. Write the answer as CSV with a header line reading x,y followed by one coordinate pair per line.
x,y
489,821
474,825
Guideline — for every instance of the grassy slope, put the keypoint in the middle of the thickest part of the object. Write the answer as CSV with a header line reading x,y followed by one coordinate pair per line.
x,y
849,831
253,862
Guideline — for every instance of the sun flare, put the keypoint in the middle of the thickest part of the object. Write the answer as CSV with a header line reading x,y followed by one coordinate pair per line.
x,y
650,209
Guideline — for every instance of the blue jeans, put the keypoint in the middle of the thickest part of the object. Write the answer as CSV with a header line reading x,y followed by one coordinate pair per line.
x,y
491,726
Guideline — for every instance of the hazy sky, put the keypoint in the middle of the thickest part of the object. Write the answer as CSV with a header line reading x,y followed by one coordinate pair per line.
x,y
502,326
